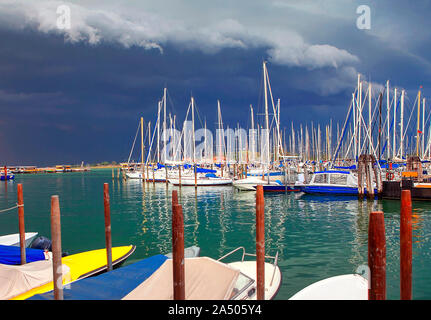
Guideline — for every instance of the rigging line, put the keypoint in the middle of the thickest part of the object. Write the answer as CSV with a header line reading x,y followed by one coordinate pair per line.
x,y
14,207
133,145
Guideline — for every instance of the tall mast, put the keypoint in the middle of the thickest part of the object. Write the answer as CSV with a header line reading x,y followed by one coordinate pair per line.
x,y
158,132
193,129
394,124
221,136
142,142
359,144
205,142
164,125
252,142
418,122
423,127
402,124
266,116
380,124
388,143
370,115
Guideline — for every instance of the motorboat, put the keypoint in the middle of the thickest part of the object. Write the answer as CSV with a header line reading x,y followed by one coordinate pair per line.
x,y
9,175
332,182
118,283
343,287
23,281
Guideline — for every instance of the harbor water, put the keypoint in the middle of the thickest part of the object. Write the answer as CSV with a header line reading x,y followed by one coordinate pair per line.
x,y
316,236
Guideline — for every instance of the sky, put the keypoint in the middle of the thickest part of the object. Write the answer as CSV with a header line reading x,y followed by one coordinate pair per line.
x,y
76,94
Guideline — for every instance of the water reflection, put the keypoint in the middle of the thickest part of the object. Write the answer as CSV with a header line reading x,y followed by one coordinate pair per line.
x,y
316,236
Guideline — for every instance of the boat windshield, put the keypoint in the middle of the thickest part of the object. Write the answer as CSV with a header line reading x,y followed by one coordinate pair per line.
x,y
339,178
321,178
242,283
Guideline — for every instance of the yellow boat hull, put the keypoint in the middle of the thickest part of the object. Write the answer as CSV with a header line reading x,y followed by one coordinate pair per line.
x,y
82,265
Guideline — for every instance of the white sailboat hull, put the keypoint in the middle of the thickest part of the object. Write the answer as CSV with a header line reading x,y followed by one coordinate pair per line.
x,y
202,182
13,239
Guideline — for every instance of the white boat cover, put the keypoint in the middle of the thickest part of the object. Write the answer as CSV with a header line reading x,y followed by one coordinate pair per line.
x,y
344,287
15,280
205,279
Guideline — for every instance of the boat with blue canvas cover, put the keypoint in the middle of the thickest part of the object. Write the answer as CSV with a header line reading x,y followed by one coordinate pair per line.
x,y
8,176
37,277
115,284
332,182
151,279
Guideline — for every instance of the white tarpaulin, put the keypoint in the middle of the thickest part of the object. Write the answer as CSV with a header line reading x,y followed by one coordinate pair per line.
x,y
15,280
205,279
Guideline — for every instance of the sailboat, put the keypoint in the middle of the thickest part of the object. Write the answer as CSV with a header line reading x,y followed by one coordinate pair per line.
x,y
269,179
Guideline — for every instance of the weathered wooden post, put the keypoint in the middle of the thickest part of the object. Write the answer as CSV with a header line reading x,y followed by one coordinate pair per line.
x,y
360,179
108,237
406,246
56,248
377,256
174,197
166,175
369,168
179,175
260,243
21,223
178,249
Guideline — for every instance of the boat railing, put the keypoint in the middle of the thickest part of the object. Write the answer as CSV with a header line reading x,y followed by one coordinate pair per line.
x,y
275,263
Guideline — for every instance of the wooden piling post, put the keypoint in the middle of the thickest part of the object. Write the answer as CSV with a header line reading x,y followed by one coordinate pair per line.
x,y
406,246
108,236
178,249
56,248
260,243
174,198
21,223
360,177
112,173
166,175
377,256
179,174
369,168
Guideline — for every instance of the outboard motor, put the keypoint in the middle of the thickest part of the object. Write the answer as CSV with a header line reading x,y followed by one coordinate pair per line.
x,y
42,243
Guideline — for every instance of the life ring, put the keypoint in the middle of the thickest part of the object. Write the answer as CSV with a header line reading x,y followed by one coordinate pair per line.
x,y
389,175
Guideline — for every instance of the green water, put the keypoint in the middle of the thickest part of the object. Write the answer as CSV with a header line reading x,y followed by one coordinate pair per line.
x,y
316,237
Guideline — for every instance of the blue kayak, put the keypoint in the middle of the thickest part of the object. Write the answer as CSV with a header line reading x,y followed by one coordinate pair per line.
x,y
12,255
